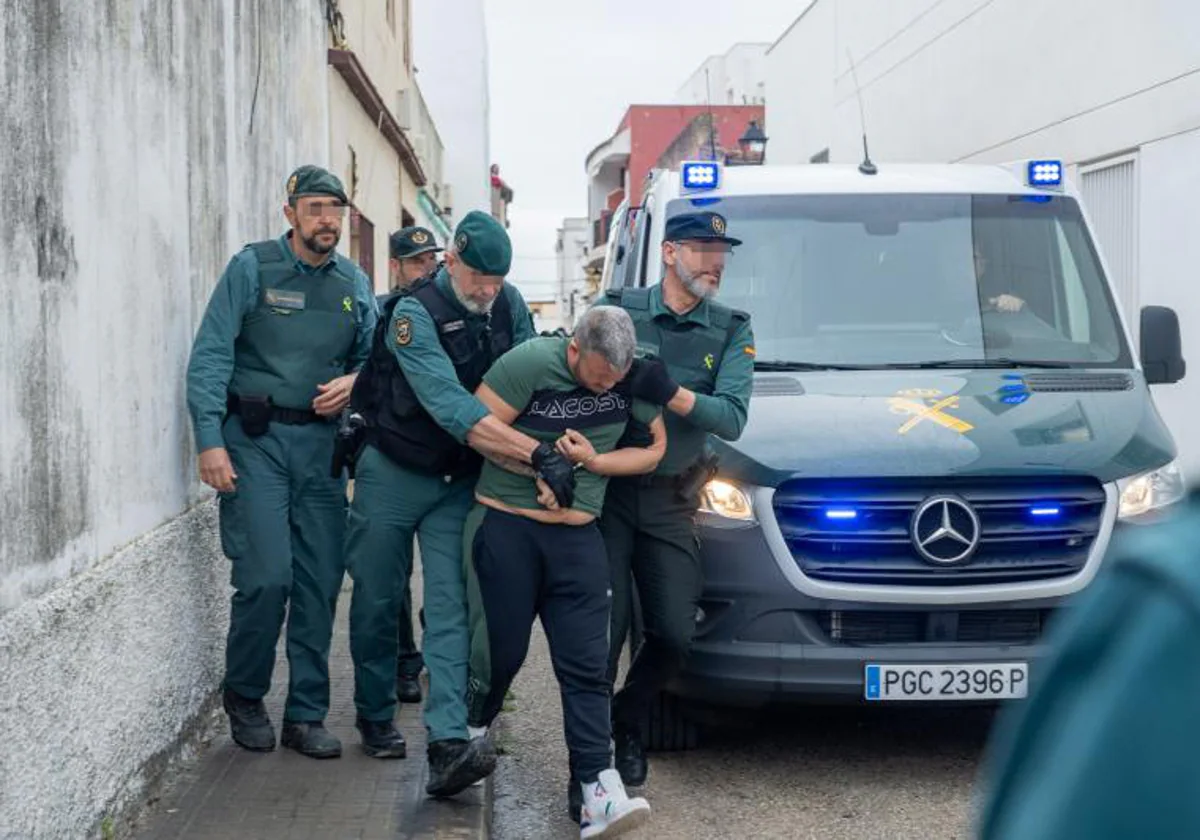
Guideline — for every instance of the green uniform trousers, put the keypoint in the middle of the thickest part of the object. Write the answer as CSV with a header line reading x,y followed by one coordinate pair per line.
x,y
390,505
283,529
409,660
650,537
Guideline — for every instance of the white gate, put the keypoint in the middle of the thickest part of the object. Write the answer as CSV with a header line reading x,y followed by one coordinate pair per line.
x,y
1110,191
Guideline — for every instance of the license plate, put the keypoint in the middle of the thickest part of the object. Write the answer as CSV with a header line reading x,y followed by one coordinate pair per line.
x,y
976,681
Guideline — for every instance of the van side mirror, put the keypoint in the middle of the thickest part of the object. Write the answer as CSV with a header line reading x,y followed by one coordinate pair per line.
x,y
1162,347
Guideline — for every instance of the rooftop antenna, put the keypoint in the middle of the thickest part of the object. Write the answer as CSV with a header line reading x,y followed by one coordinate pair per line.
x,y
866,167
712,122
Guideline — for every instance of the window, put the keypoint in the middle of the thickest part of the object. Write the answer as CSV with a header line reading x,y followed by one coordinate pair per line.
x,y
874,280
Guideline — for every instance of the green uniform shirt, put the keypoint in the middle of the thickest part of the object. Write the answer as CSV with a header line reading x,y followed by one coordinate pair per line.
x,y
535,379
429,370
211,367
1105,746
722,385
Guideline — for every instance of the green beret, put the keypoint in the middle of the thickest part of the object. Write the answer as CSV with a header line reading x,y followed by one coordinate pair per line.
x,y
483,243
313,180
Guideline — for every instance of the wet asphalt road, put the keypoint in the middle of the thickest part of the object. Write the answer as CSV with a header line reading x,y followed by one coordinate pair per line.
x,y
820,773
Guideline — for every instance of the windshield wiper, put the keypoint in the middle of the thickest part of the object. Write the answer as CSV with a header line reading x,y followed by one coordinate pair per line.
x,y
778,364
967,364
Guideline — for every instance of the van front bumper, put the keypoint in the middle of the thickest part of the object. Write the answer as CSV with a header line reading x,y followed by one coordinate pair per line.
x,y
761,641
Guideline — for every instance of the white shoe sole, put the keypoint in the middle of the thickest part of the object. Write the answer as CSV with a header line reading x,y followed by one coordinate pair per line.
x,y
623,824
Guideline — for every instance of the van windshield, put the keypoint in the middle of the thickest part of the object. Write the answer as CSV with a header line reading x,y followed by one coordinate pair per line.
x,y
910,280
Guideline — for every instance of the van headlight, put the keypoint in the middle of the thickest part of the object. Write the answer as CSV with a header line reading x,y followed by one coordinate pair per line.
x,y
1144,495
726,500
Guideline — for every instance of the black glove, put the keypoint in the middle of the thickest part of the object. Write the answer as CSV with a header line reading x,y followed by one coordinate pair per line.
x,y
650,382
558,473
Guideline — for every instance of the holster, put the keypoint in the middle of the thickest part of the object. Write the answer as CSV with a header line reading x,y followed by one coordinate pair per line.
x,y
254,412
350,439
692,480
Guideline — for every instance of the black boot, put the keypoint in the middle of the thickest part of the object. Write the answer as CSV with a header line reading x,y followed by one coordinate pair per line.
x,y
408,689
630,755
310,738
381,739
574,798
455,765
248,722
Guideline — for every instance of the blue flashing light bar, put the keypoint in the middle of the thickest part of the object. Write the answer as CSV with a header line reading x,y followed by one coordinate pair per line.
x,y
841,514
700,175
1045,173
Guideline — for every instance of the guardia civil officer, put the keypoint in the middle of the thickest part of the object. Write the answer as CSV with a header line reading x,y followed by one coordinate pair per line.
x,y
414,254
647,522
273,364
1104,747
416,475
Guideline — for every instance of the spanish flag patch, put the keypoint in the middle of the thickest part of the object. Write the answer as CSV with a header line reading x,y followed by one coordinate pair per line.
x,y
748,350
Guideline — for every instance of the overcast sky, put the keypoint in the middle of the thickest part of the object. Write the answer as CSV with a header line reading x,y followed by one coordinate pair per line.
x,y
562,74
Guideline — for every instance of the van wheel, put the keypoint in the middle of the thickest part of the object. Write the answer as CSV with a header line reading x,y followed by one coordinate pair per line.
x,y
667,728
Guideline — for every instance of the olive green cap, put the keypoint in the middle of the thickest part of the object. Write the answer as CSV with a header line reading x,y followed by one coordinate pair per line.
x,y
483,243
313,180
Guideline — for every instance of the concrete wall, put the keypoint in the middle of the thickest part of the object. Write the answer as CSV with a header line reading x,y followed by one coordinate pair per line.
x,y
980,81
451,48
143,142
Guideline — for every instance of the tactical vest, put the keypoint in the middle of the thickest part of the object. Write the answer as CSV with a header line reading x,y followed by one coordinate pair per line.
x,y
397,424
693,358
300,332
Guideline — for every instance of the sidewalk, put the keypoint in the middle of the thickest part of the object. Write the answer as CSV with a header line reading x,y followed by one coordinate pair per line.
x,y
233,794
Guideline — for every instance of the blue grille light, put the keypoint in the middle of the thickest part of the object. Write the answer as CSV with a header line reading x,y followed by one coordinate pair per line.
x,y
700,175
841,513
1045,173
1046,511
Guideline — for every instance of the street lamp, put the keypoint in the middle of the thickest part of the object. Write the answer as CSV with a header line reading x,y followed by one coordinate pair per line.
x,y
753,145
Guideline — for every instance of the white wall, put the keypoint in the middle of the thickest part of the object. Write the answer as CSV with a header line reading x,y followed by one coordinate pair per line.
x,y
800,70
450,44
135,159
1169,253
574,238
736,78
980,81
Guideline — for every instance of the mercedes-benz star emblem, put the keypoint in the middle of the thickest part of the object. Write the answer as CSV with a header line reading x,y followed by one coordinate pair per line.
x,y
945,530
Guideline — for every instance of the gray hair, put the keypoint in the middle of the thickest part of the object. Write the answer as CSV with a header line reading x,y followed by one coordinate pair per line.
x,y
607,330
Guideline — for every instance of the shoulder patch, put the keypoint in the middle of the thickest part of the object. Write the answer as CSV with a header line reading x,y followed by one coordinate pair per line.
x,y
403,331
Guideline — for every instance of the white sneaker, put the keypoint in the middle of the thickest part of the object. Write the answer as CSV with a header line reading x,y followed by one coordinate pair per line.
x,y
474,732
607,809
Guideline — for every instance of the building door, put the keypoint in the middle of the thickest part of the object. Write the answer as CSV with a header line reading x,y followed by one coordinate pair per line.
x,y
1110,192
362,243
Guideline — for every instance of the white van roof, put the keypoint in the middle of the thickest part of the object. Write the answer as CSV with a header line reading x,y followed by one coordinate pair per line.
x,y
910,178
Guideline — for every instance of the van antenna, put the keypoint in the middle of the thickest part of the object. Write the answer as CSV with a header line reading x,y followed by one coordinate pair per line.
x,y
866,167
712,122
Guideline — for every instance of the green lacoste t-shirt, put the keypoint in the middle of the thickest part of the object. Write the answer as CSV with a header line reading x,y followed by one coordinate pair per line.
x,y
534,378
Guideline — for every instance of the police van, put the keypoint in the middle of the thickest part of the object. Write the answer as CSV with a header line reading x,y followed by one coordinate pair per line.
x,y
949,421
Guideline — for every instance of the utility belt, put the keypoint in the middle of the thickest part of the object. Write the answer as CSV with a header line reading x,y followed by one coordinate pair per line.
x,y
257,413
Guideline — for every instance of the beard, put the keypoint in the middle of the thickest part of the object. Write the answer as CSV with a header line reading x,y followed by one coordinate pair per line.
x,y
311,243
694,284
472,306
